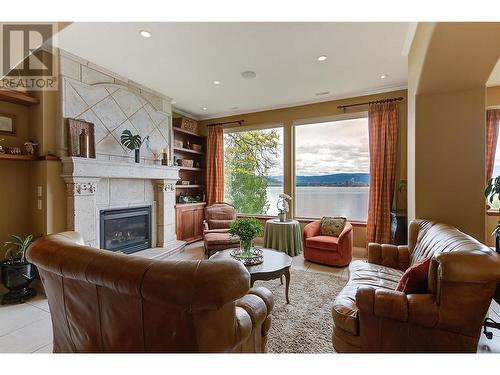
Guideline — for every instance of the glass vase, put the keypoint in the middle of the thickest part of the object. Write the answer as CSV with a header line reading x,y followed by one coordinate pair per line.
x,y
246,248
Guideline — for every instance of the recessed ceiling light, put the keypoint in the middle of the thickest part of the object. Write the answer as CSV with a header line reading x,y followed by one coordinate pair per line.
x,y
216,82
145,34
322,58
248,74
234,108
173,102
384,76
322,93
204,108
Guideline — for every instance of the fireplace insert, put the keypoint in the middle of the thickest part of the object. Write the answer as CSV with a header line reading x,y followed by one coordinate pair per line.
x,y
126,230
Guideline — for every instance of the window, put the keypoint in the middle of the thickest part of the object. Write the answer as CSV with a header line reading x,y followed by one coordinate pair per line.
x,y
332,166
495,205
253,170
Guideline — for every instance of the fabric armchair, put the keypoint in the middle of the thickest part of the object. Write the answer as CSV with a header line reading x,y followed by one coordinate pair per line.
x,y
333,251
218,219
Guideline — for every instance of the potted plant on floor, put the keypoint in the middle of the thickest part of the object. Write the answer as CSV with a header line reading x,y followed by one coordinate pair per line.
x,y
134,143
17,273
246,229
493,190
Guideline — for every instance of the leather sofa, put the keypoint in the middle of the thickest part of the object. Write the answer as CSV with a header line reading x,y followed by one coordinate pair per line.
x,y
370,316
102,301
333,251
216,237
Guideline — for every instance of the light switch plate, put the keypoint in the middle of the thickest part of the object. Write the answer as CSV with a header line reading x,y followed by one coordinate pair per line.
x,y
39,204
39,191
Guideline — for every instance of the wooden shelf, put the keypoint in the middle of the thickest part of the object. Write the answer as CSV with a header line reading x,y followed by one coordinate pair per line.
x,y
179,130
190,169
190,204
18,157
188,151
17,97
189,186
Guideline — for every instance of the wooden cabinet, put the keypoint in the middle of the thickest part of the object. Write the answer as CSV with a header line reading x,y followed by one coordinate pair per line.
x,y
189,221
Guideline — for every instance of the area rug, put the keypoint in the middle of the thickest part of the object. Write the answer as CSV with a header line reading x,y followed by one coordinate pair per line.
x,y
304,325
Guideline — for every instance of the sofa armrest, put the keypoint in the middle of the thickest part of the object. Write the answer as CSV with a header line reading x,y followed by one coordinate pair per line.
x,y
312,229
382,303
392,256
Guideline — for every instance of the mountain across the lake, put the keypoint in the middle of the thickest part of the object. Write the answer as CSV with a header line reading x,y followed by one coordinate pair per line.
x,y
335,179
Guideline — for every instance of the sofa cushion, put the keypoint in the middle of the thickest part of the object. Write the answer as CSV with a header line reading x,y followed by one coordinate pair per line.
x,y
332,226
361,273
217,238
219,224
414,280
323,242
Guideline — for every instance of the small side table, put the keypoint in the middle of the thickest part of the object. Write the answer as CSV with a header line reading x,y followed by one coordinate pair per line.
x,y
284,236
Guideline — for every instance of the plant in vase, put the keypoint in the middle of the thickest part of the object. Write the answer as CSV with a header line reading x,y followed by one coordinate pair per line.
x,y
17,273
283,206
134,143
493,190
246,229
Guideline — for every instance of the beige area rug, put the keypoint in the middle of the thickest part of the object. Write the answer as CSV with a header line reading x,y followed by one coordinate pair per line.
x,y
304,325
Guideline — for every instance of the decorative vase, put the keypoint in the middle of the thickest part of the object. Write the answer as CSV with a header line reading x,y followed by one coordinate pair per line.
x,y
137,155
17,277
246,248
282,216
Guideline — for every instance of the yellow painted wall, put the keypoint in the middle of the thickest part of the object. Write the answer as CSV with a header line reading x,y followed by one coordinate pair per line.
x,y
449,64
14,179
287,116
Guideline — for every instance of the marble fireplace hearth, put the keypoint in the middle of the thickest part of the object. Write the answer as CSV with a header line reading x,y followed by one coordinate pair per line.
x,y
95,185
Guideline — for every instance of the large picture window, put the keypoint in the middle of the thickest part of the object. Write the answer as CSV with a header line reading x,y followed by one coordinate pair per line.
x,y
332,165
253,170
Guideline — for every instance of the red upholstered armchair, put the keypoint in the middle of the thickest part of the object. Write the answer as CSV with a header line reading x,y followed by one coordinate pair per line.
x,y
333,251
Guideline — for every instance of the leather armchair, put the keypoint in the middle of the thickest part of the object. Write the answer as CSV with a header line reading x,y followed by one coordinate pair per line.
x,y
102,301
333,251
218,219
370,316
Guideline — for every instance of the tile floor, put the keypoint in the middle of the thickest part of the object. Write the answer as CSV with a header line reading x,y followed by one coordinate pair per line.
x,y
26,328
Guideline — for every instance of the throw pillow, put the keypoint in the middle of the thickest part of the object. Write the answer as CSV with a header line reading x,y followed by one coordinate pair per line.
x,y
332,226
414,280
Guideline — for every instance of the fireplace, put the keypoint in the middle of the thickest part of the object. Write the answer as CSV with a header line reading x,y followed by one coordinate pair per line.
x,y
126,230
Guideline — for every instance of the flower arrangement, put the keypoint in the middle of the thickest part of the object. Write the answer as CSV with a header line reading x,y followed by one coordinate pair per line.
x,y
283,205
246,229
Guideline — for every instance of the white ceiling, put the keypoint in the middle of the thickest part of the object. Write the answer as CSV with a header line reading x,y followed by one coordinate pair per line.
x,y
181,60
494,79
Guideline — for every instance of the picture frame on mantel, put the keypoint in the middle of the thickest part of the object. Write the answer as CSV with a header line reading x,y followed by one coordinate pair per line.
x,y
75,128
7,124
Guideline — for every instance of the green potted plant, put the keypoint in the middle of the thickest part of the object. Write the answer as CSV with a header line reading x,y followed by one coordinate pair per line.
x,y
246,229
134,143
493,190
17,273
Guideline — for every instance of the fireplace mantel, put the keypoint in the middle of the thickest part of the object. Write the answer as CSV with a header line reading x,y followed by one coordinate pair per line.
x,y
83,167
88,178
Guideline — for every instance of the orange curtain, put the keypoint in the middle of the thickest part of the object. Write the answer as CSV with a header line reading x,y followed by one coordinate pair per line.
x,y
383,133
215,165
492,121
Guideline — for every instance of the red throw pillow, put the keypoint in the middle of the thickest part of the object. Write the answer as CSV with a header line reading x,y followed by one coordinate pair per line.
x,y
414,280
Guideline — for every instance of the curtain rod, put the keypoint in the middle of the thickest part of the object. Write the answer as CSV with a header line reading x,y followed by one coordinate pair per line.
x,y
374,101
240,122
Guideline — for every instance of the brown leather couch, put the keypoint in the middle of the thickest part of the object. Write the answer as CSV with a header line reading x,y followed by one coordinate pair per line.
x,y
370,316
102,301
218,219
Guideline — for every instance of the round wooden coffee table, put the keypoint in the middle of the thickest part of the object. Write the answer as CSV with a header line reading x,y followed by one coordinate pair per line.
x,y
276,265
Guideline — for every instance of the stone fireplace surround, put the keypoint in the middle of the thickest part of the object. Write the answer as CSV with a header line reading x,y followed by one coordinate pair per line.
x,y
94,185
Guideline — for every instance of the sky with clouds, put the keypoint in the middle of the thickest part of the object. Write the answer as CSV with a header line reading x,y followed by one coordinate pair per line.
x,y
332,147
